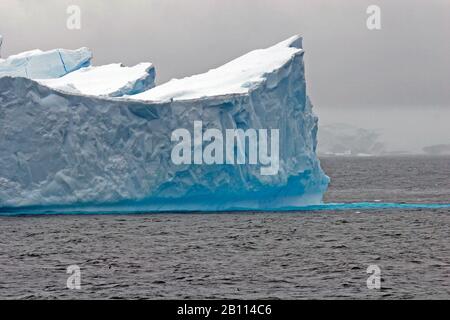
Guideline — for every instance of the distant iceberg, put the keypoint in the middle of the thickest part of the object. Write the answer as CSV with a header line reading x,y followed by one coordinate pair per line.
x,y
438,149
340,139
80,136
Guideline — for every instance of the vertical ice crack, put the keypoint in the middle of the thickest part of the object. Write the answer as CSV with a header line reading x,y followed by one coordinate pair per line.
x,y
62,61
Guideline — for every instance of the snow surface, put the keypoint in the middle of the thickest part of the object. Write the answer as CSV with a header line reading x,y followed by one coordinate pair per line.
x,y
236,77
109,80
64,149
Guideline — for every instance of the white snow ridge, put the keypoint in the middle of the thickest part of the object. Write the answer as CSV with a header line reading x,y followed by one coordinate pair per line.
x,y
82,138
111,80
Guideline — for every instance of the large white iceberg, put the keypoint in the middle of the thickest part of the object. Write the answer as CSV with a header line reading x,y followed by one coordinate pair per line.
x,y
62,147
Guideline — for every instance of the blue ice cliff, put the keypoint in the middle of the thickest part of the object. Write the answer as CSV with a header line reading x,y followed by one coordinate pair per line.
x,y
92,141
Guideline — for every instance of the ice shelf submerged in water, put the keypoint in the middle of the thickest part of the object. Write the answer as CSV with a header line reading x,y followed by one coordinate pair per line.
x,y
64,149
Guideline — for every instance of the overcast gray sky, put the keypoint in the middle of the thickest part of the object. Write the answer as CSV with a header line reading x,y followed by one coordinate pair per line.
x,y
404,65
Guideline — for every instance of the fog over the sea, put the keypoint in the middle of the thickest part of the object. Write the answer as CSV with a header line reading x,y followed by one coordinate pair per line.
x,y
395,80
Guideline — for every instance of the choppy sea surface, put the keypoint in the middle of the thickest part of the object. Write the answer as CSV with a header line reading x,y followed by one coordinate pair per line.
x,y
286,255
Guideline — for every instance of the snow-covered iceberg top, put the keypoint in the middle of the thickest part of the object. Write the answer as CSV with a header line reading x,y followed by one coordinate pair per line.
x,y
235,77
71,71
60,148
109,80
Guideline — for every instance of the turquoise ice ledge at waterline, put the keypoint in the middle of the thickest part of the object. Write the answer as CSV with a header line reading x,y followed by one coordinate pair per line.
x,y
133,209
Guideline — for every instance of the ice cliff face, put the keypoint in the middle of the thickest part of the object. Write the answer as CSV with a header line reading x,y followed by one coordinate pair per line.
x,y
66,149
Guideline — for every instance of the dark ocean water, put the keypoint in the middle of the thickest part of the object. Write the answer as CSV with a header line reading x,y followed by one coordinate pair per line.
x,y
249,255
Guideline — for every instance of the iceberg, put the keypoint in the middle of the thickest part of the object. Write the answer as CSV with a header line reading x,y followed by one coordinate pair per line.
x,y
341,139
71,145
437,149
